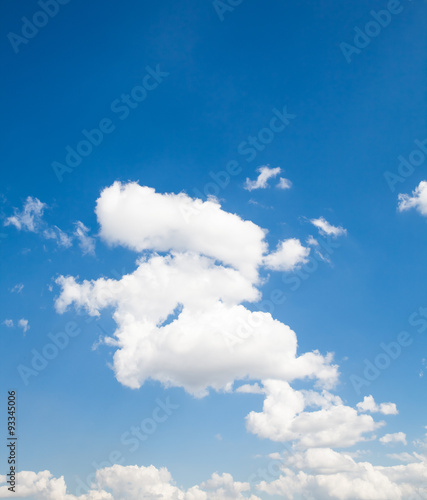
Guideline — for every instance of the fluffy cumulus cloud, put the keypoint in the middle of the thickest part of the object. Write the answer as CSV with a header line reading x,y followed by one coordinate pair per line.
x,y
139,218
397,437
310,418
327,229
181,322
128,483
314,474
180,316
261,182
418,200
369,405
289,255
324,474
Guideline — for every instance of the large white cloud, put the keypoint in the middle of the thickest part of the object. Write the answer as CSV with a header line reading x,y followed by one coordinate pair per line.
x,y
180,317
285,418
181,322
128,483
418,200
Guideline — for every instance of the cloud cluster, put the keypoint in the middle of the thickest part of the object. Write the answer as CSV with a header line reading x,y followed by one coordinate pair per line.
x,y
128,483
314,474
284,417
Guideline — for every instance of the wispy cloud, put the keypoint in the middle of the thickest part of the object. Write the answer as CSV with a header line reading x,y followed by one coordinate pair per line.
x,y
86,242
328,229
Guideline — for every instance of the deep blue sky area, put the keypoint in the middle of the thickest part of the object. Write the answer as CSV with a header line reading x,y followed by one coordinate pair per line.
x,y
222,79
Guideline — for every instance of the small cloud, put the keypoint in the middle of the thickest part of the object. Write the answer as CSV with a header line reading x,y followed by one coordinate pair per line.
x,y
261,182
311,241
397,437
288,255
218,437
8,323
17,288
418,200
23,323
29,218
369,405
86,243
284,183
327,229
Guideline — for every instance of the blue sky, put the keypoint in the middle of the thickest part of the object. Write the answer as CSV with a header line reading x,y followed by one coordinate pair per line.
x,y
211,78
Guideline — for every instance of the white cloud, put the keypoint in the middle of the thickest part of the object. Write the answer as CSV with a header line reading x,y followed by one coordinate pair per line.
x,y
397,437
369,405
128,483
8,323
86,242
324,474
312,241
285,418
211,341
137,217
328,229
23,323
180,318
30,217
418,200
54,233
261,182
17,288
289,255
284,183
